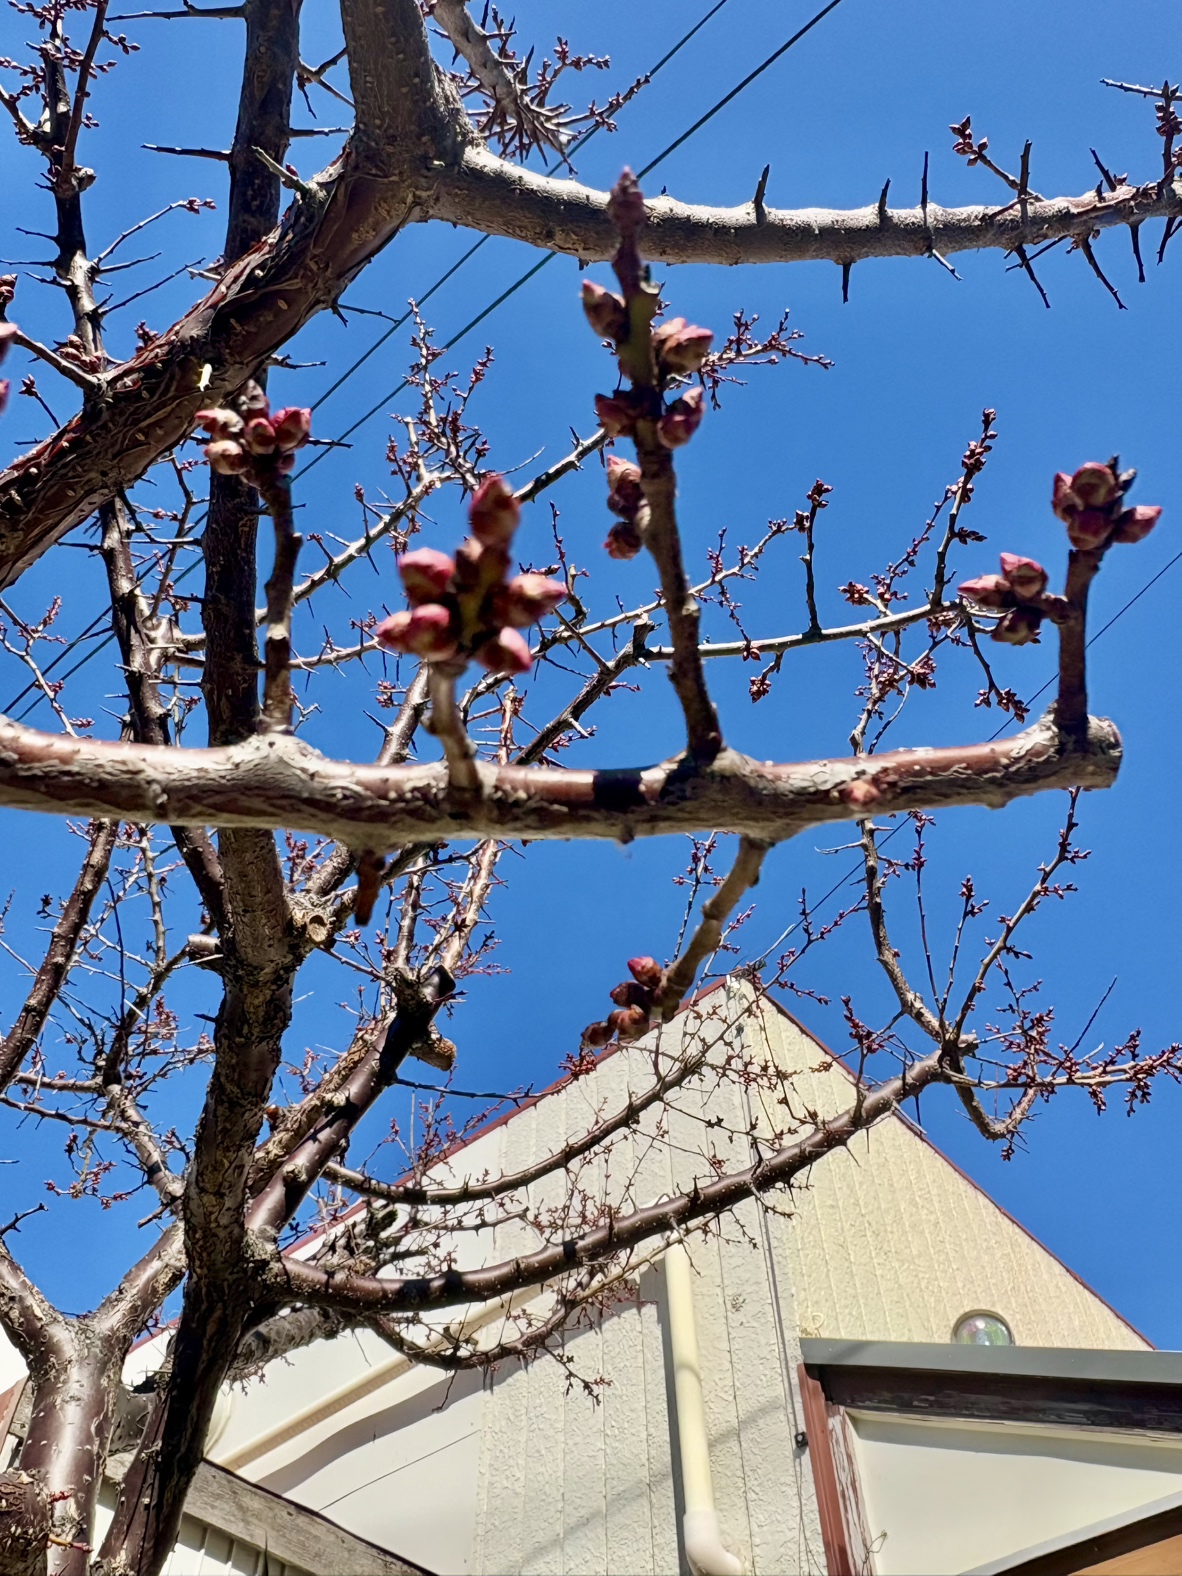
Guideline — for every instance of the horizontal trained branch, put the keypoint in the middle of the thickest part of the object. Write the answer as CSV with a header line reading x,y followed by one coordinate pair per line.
x,y
276,781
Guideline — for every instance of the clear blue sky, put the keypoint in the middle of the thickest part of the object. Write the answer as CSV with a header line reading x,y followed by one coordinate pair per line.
x,y
917,356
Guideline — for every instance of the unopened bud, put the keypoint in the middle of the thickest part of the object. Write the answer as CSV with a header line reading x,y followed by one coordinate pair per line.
x,y
1063,500
625,494
1019,627
7,288
646,971
1134,525
605,311
987,591
430,633
682,419
1095,485
682,346
226,457
1089,529
505,652
391,633
479,568
596,1035
629,1022
625,206
293,426
426,573
623,541
5,387
259,436
1027,578
494,512
615,414
630,994
527,598
220,422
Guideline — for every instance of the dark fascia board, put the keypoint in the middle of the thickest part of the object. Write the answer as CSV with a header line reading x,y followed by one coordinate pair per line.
x,y
1060,1386
1103,1540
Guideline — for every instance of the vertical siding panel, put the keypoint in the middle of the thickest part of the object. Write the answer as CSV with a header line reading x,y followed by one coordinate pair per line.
x,y
628,1521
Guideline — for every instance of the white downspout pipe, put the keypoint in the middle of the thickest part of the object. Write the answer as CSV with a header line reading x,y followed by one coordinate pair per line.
x,y
703,1544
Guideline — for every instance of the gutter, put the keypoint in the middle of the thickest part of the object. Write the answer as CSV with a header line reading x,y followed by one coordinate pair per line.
x,y
703,1543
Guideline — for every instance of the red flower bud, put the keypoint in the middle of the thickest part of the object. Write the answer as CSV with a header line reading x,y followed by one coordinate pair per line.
x,y
527,598
1027,578
426,574
615,414
293,426
605,311
478,569
494,512
623,541
285,463
646,971
220,422
682,346
1089,529
391,633
1134,525
596,1035
226,457
430,632
987,591
629,1022
1063,500
1019,627
630,994
682,419
259,435
1095,485
625,494
505,652
7,288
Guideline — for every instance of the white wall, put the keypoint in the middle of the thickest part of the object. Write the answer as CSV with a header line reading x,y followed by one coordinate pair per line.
x,y
946,1497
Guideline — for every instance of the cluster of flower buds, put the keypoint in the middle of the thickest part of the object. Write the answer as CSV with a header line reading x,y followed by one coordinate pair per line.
x,y
254,442
469,605
1020,594
635,1000
625,497
1092,506
617,414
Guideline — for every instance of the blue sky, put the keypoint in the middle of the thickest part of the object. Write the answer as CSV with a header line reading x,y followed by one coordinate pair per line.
x,y
917,355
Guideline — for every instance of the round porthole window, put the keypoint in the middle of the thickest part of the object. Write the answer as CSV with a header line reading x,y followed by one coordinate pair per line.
x,y
982,1329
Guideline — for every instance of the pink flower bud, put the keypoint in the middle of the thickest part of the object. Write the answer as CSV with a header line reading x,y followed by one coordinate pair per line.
x,y
1027,578
1019,627
629,1022
226,457
1089,529
293,426
623,541
5,386
630,994
682,346
479,568
285,463
426,574
1134,525
505,652
596,1035
625,494
1095,485
527,598
430,633
8,284
646,971
391,632
615,414
259,436
682,419
1063,500
8,332
494,512
987,591
605,311
220,422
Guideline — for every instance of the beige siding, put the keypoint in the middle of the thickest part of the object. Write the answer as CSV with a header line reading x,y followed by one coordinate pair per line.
x,y
892,1243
